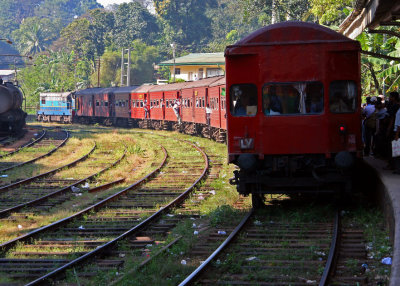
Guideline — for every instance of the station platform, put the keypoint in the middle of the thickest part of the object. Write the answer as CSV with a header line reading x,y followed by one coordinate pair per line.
x,y
390,200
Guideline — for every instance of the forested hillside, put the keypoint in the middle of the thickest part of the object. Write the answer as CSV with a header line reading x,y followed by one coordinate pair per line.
x,y
68,38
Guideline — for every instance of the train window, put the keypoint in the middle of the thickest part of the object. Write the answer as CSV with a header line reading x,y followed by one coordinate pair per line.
x,y
293,98
243,100
342,96
97,103
43,100
202,102
105,103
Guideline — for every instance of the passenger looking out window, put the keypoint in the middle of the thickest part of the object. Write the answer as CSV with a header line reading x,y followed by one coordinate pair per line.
x,y
243,100
293,98
342,96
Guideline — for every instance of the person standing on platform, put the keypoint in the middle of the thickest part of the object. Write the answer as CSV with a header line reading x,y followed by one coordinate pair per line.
x,y
392,108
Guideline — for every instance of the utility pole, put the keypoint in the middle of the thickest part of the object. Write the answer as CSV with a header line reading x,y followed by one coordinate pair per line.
x,y
128,67
98,73
173,55
122,68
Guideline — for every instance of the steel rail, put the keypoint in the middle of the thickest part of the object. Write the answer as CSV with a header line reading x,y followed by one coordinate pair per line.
x,y
24,146
199,269
6,212
135,229
332,251
9,244
41,156
28,180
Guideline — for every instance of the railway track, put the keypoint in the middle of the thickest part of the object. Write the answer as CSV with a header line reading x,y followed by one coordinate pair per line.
x,y
115,217
262,252
51,192
29,144
49,175
45,145
268,251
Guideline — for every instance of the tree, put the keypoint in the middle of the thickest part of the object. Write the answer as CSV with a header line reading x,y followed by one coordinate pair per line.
x,y
65,10
143,58
281,10
52,72
110,69
101,26
185,21
231,27
76,37
35,35
134,22
330,11
13,12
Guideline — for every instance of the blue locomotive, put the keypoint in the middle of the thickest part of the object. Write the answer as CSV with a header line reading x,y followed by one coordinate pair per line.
x,y
56,106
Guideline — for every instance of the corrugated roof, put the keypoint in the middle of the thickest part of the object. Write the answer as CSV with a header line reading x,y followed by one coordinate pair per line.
x,y
203,82
124,89
197,59
94,90
221,81
144,88
171,86
55,94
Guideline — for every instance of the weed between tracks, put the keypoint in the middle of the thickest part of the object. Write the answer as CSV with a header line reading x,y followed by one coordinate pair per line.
x,y
73,150
377,244
140,159
215,211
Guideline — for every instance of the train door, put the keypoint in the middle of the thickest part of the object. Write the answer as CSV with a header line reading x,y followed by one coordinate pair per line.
x,y
162,105
206,106
193,103
93,105
111,104
179,98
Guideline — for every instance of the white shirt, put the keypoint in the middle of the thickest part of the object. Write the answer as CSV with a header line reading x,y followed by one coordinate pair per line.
x,y
208,110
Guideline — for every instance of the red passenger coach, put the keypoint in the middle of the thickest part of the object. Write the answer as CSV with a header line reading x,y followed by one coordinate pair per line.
x,y
294,109
84,104
121,107
217,102
138,97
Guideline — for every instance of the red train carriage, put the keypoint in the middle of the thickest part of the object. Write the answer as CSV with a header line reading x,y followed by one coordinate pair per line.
x,y
104,106
139,99
121,108
217,102
196,93
188,109
172,92
294,109
167,94
85,104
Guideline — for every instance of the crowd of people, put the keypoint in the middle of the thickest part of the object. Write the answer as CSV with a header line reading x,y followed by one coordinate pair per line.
x,y
381,125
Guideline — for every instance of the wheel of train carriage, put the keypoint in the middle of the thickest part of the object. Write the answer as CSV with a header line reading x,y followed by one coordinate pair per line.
x,y
258,200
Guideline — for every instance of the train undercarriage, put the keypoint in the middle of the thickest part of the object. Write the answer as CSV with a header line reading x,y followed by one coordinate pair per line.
x,y
294,175
54,118
12,121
